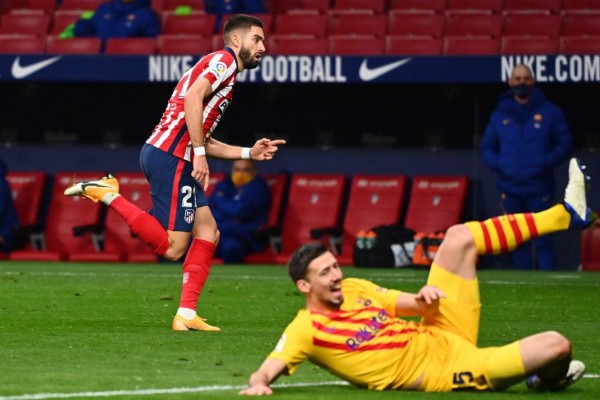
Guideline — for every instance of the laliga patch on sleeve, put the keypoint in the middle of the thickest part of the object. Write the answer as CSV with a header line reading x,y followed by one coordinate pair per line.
x,y
218,69
280,344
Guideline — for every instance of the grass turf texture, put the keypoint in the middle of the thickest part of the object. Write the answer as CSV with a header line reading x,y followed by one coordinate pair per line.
x,y
71,328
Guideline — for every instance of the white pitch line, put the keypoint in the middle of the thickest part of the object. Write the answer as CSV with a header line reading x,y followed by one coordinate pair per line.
x,y
150,392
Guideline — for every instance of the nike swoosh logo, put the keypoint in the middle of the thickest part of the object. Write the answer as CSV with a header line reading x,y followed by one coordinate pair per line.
x,y
368,74
19,72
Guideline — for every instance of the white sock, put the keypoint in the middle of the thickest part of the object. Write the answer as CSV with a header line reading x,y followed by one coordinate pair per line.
x,y
186,313
109,197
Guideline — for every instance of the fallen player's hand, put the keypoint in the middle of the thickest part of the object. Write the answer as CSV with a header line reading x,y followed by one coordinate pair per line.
x,y
257,390
430,294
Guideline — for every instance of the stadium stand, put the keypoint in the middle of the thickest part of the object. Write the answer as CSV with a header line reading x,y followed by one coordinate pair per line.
x,y
374,200
418,6
417,25
581,25
56,45
298,24
402,45
436,202
579,45
590,248
473,25
87,5
22,44
63,18
473,6
531,6
356,45
374,6
471,46
64,215
301,6
528,45
31,7
267,20
297,45
197,23
184,44
25,24
532,25
133,46
27,189
357,24
314,202
580,7
195,5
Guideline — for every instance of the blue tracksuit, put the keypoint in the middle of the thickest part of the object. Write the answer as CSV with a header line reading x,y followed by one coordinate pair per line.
x,y
523,144
120,19
225,7
9,221
239,212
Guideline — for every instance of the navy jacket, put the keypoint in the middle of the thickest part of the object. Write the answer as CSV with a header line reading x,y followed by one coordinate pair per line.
x,y
221,7
9,221
523,143
240,211
119,19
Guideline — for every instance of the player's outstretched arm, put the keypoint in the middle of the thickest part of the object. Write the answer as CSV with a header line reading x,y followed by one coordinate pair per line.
x,y
421,303
259,382
265,149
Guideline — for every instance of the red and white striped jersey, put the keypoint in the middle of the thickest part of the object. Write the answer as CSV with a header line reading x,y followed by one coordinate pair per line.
x,y
171,134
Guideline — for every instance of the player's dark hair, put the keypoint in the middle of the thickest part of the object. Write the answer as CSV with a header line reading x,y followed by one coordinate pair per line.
x,y
240,21
298,264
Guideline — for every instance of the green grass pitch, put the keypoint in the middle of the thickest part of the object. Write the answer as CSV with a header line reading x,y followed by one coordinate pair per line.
x,y
103,330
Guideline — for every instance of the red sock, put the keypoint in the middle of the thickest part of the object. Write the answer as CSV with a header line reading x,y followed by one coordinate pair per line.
x,y
144,225
195,271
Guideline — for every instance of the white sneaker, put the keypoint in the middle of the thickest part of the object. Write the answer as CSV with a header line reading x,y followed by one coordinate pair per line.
x,y
575,196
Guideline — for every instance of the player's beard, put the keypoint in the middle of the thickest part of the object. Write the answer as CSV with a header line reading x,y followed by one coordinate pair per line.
x,y
248,61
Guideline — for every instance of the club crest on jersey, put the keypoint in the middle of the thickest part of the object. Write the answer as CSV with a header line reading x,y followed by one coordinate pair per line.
x,y
219,68
189,216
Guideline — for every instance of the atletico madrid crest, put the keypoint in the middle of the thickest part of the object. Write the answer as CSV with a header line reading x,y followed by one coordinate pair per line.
x,y
189,216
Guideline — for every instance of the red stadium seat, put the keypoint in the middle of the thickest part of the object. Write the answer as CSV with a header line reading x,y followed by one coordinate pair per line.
x,y
184,44
62,19
418,6
374,200
356,45
436,202
431,25
297,45
119,243
125,46
532,25
579,45
277,186
25,24
528,45
580,7
377,6
196,5
27,189
314,201
64,214
402,45
293,6
581,25
474,25
22,44
590,249
532,6
88,45
356,24
194,24
288,24
87,5
474,6
471,46
29,6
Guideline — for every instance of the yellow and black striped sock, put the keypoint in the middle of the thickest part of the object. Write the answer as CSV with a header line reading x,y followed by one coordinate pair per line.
x,y
507,232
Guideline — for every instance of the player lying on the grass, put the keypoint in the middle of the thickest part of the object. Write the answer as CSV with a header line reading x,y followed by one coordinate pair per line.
x,y
354,329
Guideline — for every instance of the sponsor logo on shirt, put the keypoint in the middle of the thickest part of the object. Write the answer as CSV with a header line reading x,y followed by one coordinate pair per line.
x,y
368,331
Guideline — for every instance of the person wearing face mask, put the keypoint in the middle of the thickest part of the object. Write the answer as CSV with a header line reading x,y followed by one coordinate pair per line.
x,y
526,138
240,204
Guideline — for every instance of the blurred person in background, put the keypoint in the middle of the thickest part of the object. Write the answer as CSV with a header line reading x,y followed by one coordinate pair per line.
x,y
526,138
9,220
240,204
174,161
116,19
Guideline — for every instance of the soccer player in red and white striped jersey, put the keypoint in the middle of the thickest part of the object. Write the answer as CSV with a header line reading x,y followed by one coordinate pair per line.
x,y
174,162
357,330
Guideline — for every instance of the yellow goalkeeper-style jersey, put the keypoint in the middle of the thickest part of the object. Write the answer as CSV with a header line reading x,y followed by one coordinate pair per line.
x,y
362,343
